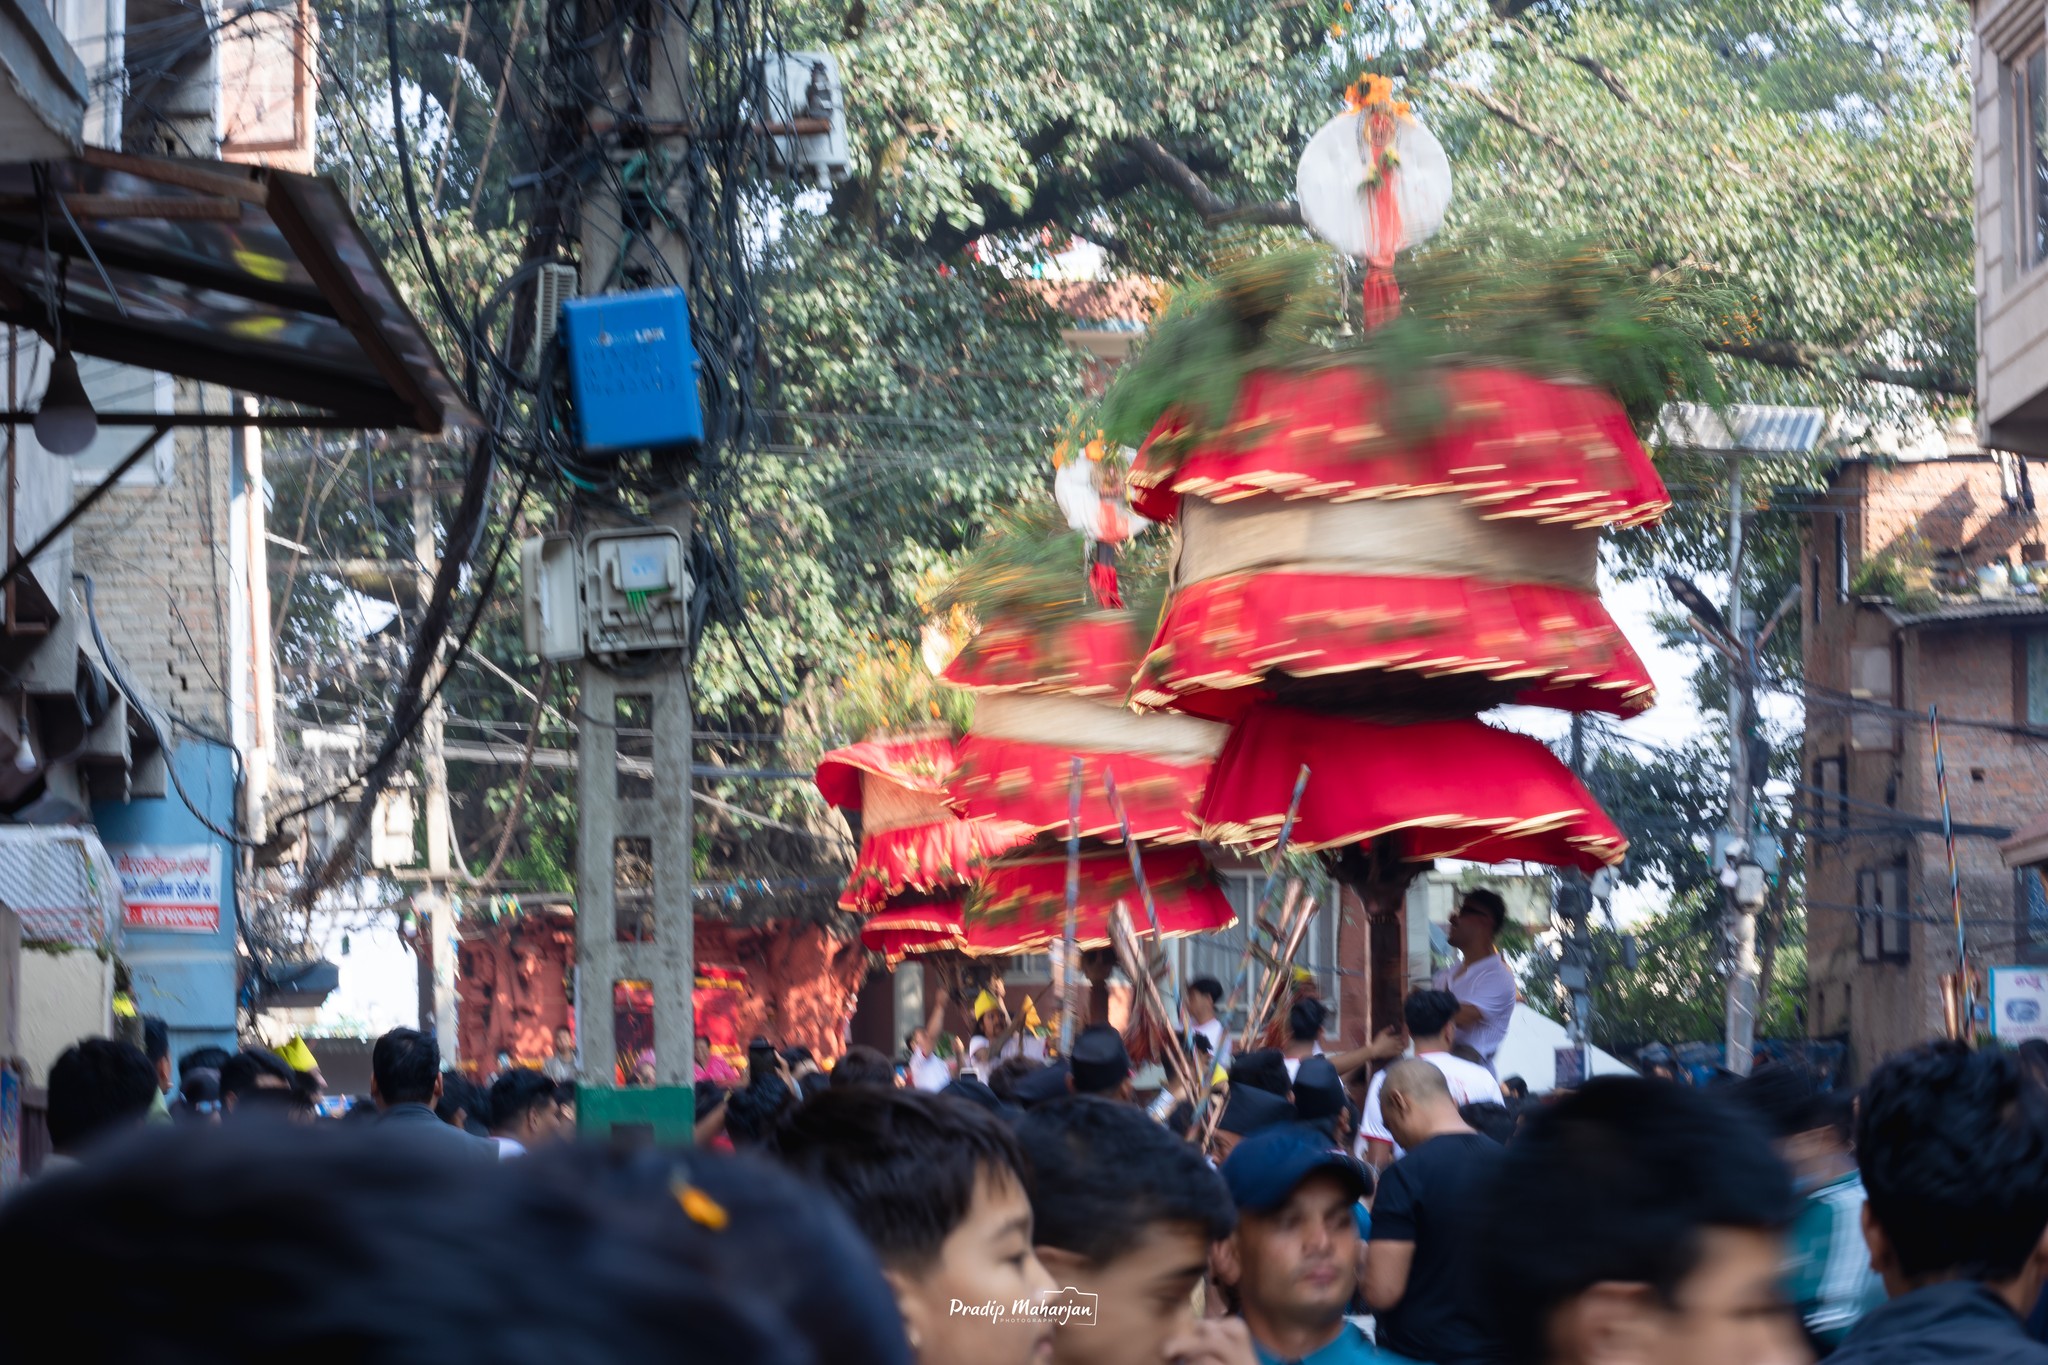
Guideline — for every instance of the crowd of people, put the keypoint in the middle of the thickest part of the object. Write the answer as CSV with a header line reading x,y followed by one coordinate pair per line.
x,y
1392,1203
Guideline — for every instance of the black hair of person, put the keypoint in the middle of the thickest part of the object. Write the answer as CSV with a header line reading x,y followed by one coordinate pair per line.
x,y
1496,1121
756,1107
1209,986
572,1254
1003,1080
1487,899
405,1063
1264,1069
1953,1146
206,1058
1428,1012
1103,1175
904,1165
243,1074
515,1094
863,1065
812,1084
1786,1098
2033,1057
97,1087
463,1099
1305,1019
1619,1181
156,1039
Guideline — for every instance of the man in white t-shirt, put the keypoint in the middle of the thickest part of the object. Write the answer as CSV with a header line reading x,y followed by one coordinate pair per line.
x,y
1432,1023
1482,982
1204,993
1304,1033
928,1070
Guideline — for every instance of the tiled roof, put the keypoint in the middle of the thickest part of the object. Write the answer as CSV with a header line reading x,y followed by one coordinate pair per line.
x,y
1124,304
1971,609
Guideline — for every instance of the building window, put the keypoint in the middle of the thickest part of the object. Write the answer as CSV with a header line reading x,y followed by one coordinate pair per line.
x,y
2030,144
2037,677
2033,905
1884,924
1222,955
1830,798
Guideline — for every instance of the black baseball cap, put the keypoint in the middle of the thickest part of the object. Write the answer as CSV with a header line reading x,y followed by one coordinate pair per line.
x,y
1267,1168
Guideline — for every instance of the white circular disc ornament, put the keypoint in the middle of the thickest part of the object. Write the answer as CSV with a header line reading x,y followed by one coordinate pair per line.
x,y
1330,184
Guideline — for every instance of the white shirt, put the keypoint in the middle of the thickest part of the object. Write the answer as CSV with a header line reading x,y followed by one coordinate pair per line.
x,y
1488,984
1468,1082
509,1148
1294,1063
1219,1041
929,1072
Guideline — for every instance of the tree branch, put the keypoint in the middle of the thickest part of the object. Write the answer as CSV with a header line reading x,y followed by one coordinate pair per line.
x,y
1804,359
1516,119
1179,176
1604,74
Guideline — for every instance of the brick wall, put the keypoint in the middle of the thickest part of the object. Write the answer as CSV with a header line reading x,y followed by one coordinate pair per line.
x,y
1970,670
163,580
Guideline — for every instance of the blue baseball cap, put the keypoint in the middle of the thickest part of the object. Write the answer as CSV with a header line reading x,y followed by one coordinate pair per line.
x,y
1266,1168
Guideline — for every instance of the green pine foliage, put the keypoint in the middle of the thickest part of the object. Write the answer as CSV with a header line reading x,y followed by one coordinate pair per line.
x,y
1560,310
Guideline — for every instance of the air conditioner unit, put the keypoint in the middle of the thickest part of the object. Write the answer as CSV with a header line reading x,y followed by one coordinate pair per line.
x,y
804,91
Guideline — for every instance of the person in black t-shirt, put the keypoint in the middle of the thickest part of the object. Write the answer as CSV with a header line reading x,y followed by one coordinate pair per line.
x,y
1426,1222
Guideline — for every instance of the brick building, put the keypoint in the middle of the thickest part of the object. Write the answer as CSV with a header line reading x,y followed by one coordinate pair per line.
x,y
1918,591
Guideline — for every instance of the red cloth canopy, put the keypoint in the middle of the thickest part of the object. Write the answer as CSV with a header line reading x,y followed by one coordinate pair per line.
x,y
1030,784
1089,656
1446,788
1517,445
917,762
1222,638
1019,905
898,933
924,848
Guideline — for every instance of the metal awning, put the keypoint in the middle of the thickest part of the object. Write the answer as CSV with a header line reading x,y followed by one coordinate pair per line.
x,y
244,276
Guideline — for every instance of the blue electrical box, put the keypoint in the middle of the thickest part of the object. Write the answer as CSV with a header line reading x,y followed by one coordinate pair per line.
x,y
632,370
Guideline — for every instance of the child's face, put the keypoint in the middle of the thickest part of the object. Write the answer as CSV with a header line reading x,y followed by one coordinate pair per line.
x,y
986,1264
1144,1298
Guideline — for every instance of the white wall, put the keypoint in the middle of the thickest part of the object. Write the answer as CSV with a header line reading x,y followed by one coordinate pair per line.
x,y
64,997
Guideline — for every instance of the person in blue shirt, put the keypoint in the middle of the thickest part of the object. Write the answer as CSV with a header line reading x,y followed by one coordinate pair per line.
x,y
1294,1259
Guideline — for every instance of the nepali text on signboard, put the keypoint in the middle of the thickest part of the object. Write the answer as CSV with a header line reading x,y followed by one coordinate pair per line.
x,y
173,888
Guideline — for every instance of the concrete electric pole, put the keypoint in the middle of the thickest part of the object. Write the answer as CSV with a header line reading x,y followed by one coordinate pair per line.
x,y
434,906
634,922
1740,914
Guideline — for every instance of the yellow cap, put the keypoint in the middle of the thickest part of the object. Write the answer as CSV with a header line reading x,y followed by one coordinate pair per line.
x,y
124,1005
984,1004
1031,1023
297,1055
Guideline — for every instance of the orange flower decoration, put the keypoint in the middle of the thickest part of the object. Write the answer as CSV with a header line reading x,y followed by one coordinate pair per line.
x,y
1373,92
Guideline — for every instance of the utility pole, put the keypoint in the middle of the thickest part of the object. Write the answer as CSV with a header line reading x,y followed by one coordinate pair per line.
x,y
634,922
1740,913
1575,902
434,906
